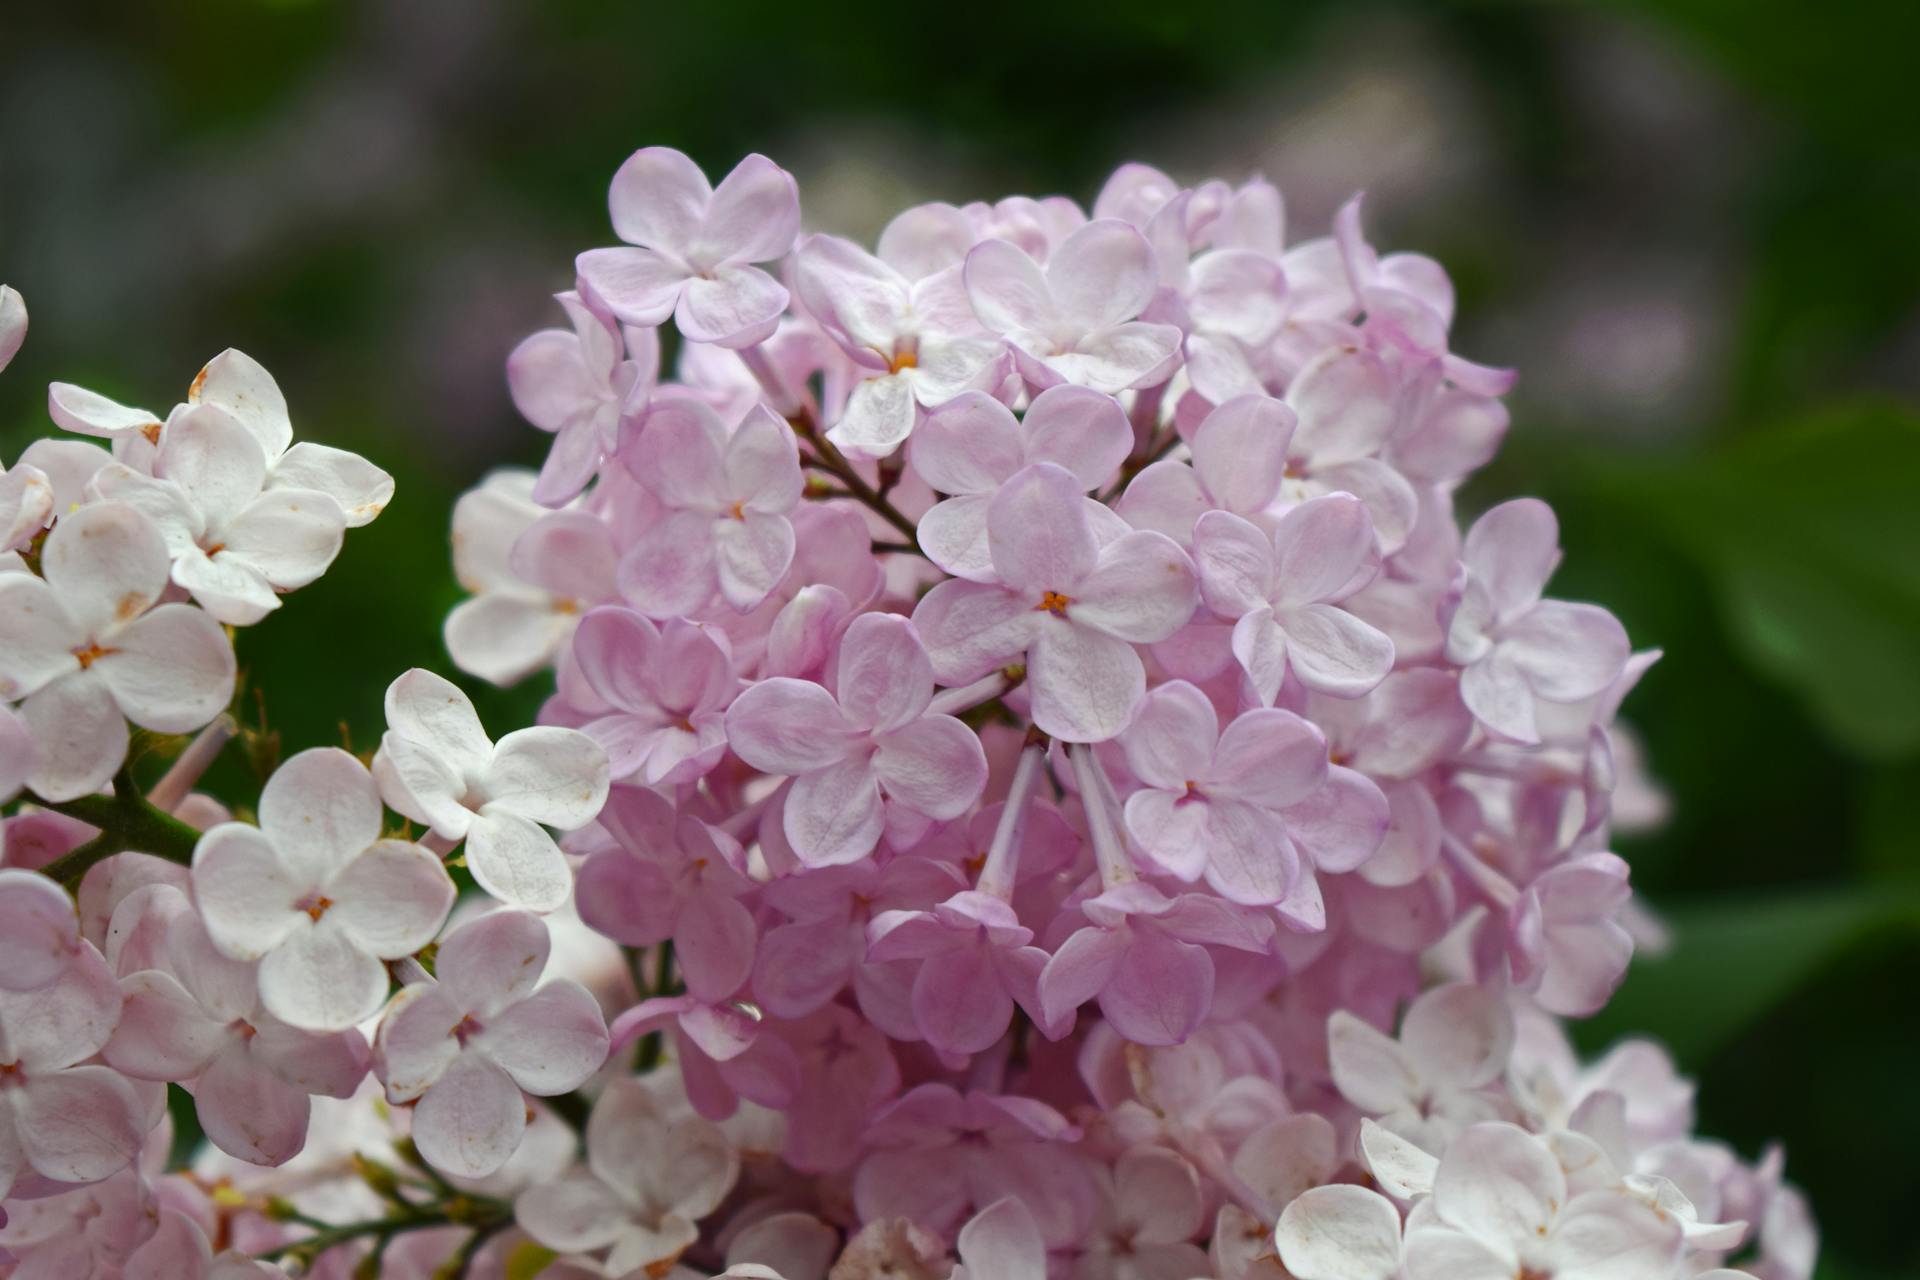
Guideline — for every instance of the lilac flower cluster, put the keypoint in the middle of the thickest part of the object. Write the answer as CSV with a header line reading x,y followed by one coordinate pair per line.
x,y
1044,788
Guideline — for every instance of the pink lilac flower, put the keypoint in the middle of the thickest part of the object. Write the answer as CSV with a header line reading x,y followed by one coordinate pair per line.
x,y
464,1047
1433,1080
62,1117
1513,647
1501,1206
726,495
666,691
531,574
1283,593
436,765
972,445
578,386
916,342
193,1016
873,735
1211,800
668,876
695,244
650,1177
316,895
89,648
1239,465
1069,605
236,545
1074,320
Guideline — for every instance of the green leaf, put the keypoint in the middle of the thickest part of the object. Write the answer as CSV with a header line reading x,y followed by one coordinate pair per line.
x,y
1810,537
1732,961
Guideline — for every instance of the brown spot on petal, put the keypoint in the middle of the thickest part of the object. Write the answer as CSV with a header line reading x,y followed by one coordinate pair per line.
x,y
199,381
90,653
151,431
130,606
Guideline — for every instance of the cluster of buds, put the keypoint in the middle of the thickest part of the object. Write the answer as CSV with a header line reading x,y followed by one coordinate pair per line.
x,y
1037,783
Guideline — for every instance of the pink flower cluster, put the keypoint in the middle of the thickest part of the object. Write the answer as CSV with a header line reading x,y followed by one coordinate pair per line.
x,y
1044,785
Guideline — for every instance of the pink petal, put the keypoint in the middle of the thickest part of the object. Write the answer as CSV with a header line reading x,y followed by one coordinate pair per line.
x,y
1240,294
754,215
1250,860
1166,497
163,1034
680,455
1038,532
954,536
885,679
1340,825
1459,1034
249,1112
361,489
751,555
320,809
1171,829
958,1004
1236,563
491,962
1080,969
1340,1233
1240,452
550,1042
1101,276
1137,354
1333,652
969,445
1085,683
1500,1184
714,940
13,324
639,286
320,980
970,628
734,307
238,384
763,464
1320,548
833,815
1345,402
671,569
781,725
934,766
471,1121
799,967
659,198
1009,292
39,932
1269,757
1260,646
1161,990
1567,651
1369,1068
89,413
1002,1242
1511,551
78,1125
1171,740
1142,589
392,899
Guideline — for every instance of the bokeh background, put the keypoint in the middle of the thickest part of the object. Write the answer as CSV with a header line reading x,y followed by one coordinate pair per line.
x,y
1691,226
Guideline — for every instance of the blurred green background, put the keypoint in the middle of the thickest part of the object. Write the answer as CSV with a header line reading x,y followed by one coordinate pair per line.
x,y
1692,228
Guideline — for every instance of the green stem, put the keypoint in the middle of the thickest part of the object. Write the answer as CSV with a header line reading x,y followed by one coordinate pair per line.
x,y
126,822
484,1215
